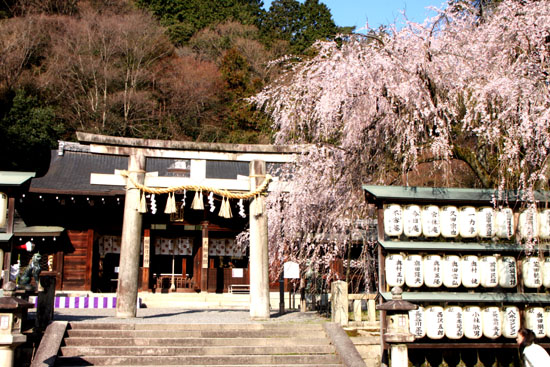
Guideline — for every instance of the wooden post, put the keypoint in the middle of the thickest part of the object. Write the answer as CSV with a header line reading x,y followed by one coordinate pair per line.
x,y
90,256
9,230
146,260
259,276
204,262
128,275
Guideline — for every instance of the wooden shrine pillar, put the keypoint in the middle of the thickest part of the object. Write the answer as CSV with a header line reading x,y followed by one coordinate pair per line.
x,y
204,262
128,275
146,260
259,275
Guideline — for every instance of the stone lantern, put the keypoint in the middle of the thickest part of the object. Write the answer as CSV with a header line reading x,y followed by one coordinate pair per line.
x,y
397,327
13,314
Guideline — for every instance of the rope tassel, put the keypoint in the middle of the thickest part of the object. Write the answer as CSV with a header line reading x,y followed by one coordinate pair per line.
x,y
225,209
170,204
142,203
197,201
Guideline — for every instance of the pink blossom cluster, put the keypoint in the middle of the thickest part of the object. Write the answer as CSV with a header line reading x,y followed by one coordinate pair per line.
x,y
458,87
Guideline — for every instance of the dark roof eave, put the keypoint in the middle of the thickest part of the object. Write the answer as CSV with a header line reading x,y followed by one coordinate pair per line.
x,y
78,192
39,231
404,194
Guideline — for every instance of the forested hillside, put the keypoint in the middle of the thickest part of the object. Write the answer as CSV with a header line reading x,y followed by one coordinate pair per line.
x,y
158,69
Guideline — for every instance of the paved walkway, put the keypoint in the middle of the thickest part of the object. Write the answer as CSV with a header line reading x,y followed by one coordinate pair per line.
x,y
180,316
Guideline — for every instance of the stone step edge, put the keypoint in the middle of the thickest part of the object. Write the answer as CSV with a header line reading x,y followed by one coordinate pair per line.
x,y
225,365
214,341
120,326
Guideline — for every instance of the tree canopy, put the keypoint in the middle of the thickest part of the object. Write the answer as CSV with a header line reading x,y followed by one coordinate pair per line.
x,y
186,17
299,24
412,106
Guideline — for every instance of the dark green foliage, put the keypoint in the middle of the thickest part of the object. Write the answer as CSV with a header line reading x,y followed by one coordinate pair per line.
x,y
27,134
236,73
183,18
299,24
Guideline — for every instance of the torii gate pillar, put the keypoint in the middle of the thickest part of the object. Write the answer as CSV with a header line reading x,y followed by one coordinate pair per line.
x,y
128,274
259,276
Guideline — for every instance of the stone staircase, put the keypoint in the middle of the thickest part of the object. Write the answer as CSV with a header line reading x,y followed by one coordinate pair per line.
x,y
254,344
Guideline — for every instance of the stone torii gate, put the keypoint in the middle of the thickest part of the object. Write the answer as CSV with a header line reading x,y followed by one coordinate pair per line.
x,y
138,150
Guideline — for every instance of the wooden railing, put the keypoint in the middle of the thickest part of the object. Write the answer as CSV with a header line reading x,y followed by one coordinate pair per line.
x,y
182,283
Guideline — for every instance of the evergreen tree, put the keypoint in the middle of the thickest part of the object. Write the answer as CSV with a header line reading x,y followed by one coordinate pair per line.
x,y
27,134
299,24
184,18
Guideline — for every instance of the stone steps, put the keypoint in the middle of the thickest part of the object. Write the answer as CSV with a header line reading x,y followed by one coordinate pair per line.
x,y
227,365
189,342
141,344
217,360
195,351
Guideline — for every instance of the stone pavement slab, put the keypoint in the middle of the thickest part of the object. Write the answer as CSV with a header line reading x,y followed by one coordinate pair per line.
x,y
180,316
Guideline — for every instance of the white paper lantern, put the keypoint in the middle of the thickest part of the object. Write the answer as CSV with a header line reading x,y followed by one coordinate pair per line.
x,y
488,271
467,218
435,327
546,272
532,272
544,224
414,274
528,225
486,222
547,320
417,323
470,271
507,272
510,321
472,322
492,322
449,221
395,270
3,208
504,222
412,221
393,220
534,320
432,271
452,318
431,226
451,271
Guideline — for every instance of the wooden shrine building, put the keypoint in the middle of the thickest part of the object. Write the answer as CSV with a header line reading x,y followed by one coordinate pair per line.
x,y
192,248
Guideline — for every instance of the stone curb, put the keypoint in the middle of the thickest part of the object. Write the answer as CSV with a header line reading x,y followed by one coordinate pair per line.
x,y
50,344
344,346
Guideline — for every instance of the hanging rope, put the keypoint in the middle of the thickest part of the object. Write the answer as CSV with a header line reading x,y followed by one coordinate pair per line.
x,y
200,188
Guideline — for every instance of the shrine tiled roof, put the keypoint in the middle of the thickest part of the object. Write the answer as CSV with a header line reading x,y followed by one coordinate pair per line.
x,y
70,170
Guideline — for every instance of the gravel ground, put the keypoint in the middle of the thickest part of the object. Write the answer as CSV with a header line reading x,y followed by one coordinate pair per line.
x,y
179,316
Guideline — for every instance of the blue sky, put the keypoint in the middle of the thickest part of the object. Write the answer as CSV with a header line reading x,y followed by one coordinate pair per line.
x,y
378,12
